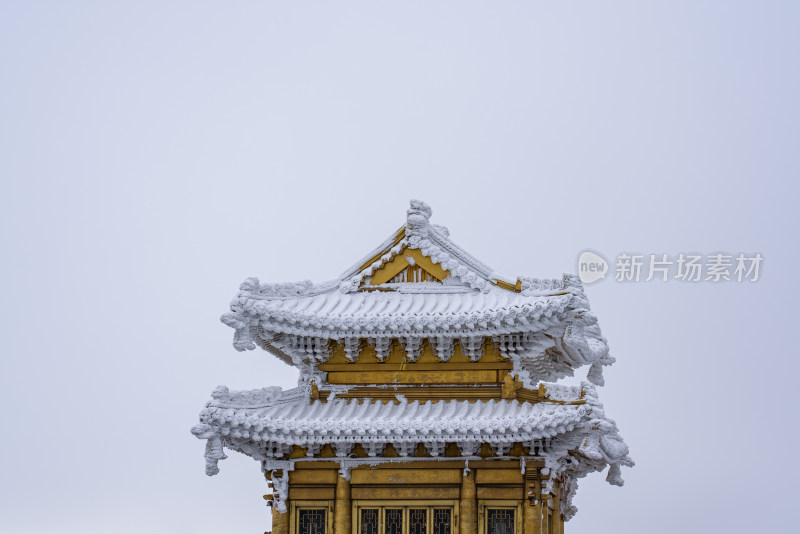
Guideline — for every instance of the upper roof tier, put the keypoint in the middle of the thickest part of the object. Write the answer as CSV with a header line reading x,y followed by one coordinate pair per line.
x,y
336,315
418,284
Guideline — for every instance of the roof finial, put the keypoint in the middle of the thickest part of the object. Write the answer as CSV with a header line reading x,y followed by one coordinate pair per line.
x,y
419,214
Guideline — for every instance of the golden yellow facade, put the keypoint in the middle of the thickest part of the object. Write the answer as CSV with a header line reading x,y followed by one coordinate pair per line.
x,y
471,495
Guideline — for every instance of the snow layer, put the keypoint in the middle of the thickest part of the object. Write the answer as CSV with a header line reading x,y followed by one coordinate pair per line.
x,y
574,439
547,328
293,420
336,315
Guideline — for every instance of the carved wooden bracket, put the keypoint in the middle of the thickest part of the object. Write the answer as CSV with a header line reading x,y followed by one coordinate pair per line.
x,y
510,387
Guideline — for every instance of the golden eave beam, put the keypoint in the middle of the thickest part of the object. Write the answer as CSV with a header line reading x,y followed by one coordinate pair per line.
x,y
399,236
516,288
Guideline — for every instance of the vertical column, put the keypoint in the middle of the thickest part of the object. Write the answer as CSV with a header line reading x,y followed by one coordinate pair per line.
x,y
468,506
533,518
546,518
532,513
280,521
342,522
559,521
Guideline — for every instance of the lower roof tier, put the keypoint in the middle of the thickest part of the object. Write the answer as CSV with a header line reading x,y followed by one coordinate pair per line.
x,y
268,423
296,421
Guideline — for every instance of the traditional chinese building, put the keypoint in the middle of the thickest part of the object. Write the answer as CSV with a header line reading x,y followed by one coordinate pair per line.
x,y
428,400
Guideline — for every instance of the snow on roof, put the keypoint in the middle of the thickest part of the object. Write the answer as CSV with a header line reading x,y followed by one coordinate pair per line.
x,y
553,329
433,241
336,315
472,300
291,419
267,423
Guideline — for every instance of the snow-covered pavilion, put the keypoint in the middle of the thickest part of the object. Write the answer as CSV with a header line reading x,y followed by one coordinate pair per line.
x,y
428,399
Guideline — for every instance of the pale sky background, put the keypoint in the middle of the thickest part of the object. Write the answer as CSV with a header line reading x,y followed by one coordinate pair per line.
x,y
155,154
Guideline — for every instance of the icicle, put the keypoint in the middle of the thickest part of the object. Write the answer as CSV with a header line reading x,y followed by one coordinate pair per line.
x,y
351,348
469,448
500,449
344,470
595,374
382,345
442,346
412,346
404,449
472,347
374,449
435,448
343,449
615,475
280,492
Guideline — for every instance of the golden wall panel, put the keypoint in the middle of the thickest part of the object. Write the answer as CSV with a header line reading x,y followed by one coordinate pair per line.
x,y
405,476
498,476
313,476
500,492
319,493
478,376
403,492
414,366
315,466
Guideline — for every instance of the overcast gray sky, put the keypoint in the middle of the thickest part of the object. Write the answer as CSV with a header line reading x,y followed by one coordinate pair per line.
x,y
155,154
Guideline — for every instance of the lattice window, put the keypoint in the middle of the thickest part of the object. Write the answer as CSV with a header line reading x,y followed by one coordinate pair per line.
x,y
311,521
417,521
442,520
369,521
499,521
405,518
394,521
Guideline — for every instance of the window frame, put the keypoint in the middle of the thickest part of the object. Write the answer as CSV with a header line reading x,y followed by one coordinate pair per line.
x,y
483,517
296,506
405,504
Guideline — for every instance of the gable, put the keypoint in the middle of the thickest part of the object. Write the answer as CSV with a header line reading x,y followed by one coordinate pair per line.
x,y
419,252
410,265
